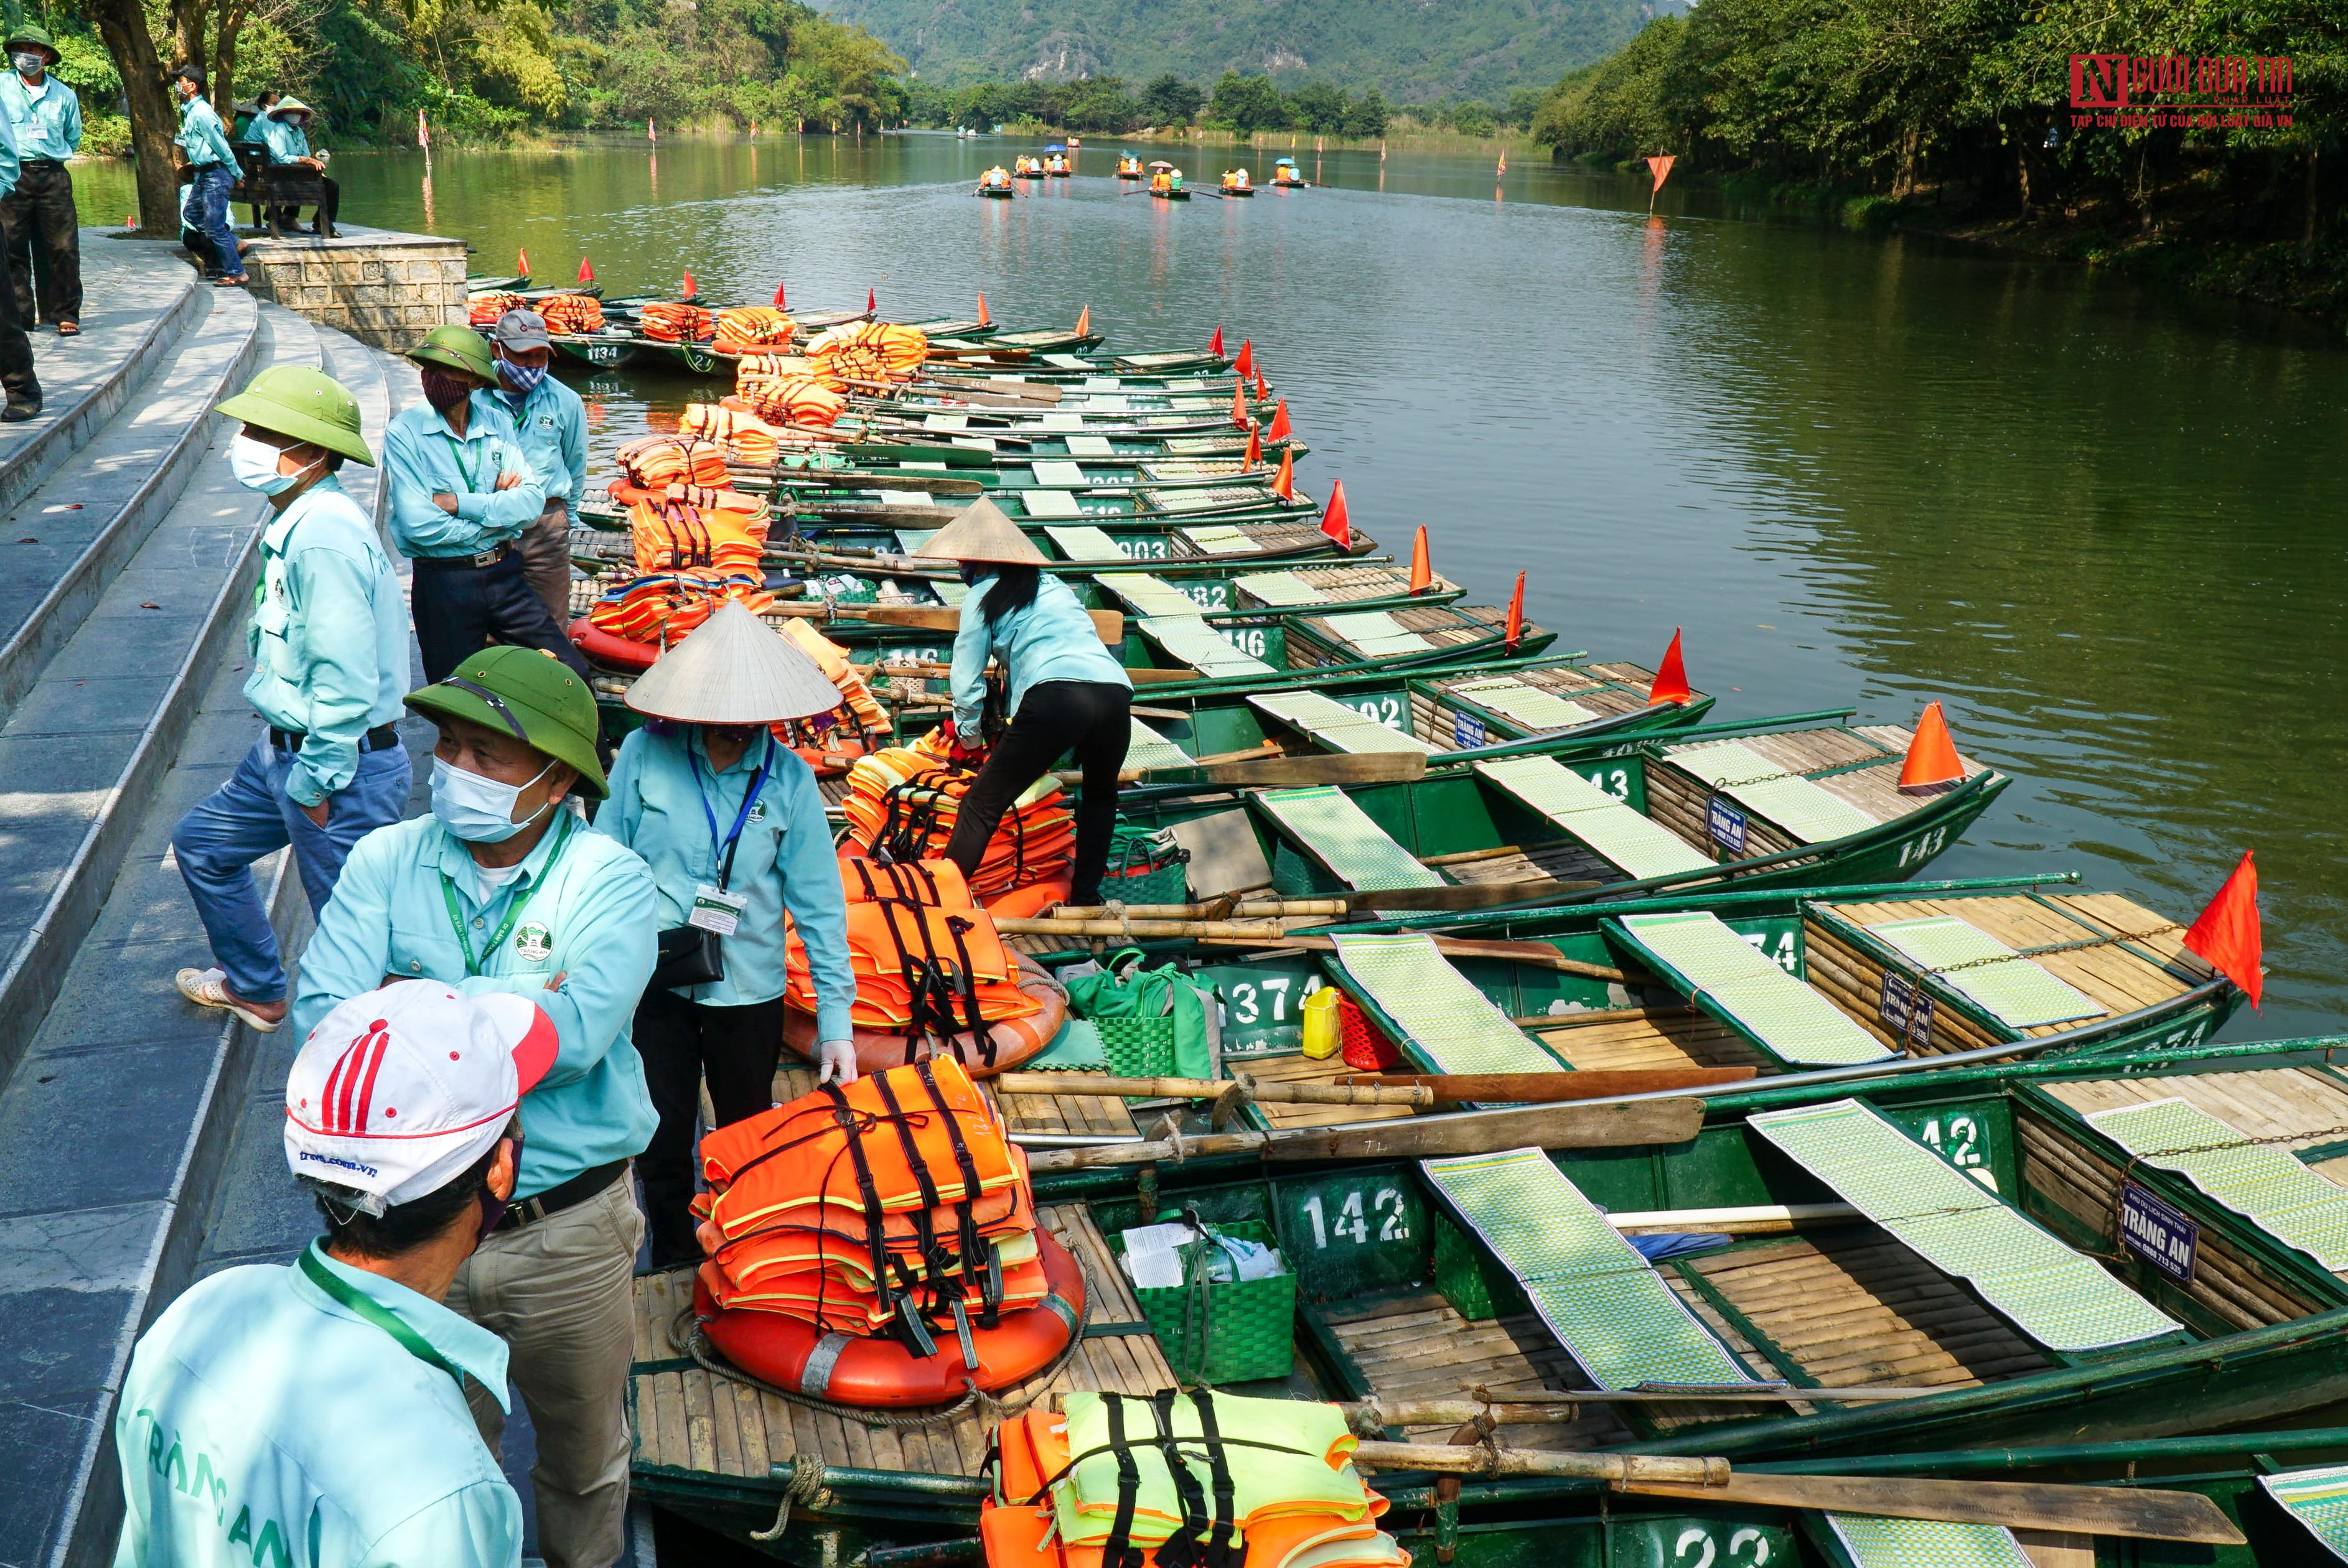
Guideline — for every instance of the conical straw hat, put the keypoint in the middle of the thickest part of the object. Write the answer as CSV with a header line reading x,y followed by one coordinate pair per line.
x,y
734,669
982,534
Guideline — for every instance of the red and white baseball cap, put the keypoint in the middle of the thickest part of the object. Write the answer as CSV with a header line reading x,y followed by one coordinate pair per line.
x,y
397,1091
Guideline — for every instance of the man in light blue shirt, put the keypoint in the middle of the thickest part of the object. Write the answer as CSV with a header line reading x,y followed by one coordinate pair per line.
x,y
316,1413
328,640
282,126
463,490
552,422
504,890
211,164
24,387
44,232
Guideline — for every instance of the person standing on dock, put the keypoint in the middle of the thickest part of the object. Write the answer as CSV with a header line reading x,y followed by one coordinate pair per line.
x,y
732,825
321,1406
1067,691
502,890
553,423
16,374
328,641
44,232
463,490
211,164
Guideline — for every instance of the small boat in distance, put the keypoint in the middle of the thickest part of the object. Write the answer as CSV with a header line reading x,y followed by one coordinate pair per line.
x,y
1027,165
1166,182
996,182
1128,166
1056,161
1284,172
1236,183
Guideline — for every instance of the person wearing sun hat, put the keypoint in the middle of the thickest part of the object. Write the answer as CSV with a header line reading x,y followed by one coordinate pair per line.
x,y
502,890
322,1406
43,230
732,824
1067,693
463,490
328,643
283,128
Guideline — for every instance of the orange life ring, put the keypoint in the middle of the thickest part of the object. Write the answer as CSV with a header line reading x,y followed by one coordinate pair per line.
x,y
602,646
879,1374
1016,1039
834,757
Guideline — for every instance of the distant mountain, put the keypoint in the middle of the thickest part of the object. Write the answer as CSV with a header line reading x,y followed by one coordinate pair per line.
x,y
1412,50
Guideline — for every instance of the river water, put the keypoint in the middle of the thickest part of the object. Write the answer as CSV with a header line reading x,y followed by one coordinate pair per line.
x,y
2101,521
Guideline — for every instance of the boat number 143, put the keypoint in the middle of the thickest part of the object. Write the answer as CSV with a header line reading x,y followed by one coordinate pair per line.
x,y
1352,1221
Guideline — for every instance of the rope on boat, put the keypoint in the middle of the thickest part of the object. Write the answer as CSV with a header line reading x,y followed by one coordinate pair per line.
x,y
806,1486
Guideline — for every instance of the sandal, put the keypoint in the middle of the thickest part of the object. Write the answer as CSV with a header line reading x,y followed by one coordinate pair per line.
x,y
69,329
232,280
209,988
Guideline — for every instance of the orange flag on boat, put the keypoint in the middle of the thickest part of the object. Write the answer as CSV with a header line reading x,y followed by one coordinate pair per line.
x,y
1255,448
1661,167
1278,429
983,319
522,262
1671,676
1085,322
1284,484
1515,632
1242,416
1245,363
1262,391
586,271
2228,934
1422,570
1333,518
779,295
1932,756
691,288
1215,343
872,299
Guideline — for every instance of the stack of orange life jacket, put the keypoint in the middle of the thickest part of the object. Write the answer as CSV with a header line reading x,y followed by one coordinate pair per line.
x,y
675,535
1171,1479
904,802
668,322
747,438
754,367
794,400
657,462
483,310
628,494
662,607
927,960
863,707
746,329
567,314
870,350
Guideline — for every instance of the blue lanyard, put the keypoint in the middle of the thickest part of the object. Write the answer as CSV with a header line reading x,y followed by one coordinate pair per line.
x,y
724,846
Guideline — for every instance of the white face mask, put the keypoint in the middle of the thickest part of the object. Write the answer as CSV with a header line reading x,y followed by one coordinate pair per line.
x,y
477,809
254,464
29,64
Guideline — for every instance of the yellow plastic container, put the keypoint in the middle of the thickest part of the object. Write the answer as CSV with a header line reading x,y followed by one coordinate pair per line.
x,y
1321,1023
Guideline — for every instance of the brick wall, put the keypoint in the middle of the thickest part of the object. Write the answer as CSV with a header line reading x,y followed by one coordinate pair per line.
x,y
383,288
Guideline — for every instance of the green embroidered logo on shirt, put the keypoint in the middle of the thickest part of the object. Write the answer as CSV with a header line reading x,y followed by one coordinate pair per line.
x,y
534,942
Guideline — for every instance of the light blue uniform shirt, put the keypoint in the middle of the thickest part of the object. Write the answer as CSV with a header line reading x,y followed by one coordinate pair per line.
x,y
202,135
264,1422
47,118
552,424
328,638
9,168
1052,638
422,457
784,862
286,140
590,917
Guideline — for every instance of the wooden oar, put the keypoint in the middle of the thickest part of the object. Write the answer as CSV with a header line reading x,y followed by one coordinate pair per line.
x,y
1538,954
2141,1513
1469,895
1526,1088
1313,768
1210,1088
1638,1122
864,479
1109,623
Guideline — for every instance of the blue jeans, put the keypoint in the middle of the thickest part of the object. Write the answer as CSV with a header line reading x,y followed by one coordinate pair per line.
x,y
252,816
208,216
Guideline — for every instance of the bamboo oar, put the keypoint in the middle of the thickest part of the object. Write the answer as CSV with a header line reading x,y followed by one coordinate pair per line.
x,y
930,670
864,479
1210,1088
1637,1123
1539,955
1527,1088
1268,931
1109,623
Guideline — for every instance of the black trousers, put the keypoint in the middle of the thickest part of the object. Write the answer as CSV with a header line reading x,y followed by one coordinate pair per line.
x,y
1091,718
737,1048
462,608
15,349
44,244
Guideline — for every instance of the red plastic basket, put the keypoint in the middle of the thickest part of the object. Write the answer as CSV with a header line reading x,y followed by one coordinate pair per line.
x,y
1361,1043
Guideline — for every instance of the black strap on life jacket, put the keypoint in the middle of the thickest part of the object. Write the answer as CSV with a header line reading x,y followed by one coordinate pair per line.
x,y
876,1231
925,1240
1118,1551
956,926
1221,1549
1180,1550
972,1247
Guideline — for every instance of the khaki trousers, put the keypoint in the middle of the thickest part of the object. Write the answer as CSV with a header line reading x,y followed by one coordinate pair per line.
x,y
545,548
558,1294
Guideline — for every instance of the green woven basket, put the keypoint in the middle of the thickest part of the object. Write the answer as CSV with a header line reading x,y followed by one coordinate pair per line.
x,y
1296,876
1165,884
1476,1288
1234,1332
1138,1047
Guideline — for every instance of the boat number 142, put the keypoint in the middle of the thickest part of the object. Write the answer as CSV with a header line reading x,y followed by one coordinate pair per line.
x,y
1352,1222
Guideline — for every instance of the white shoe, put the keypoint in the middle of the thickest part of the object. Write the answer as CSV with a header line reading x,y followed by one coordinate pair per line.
x,y
209,988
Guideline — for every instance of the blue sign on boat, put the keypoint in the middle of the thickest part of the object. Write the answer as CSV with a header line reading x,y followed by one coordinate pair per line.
x,y
1727,825
1906,1011
2156,1231
1466,731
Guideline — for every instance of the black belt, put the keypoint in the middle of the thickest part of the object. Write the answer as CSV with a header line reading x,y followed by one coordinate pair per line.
x,y
382,738
564,1196
41,162
482,561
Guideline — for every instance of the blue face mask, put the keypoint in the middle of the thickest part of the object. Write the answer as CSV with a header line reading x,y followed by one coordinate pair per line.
x,y
476,809
521,380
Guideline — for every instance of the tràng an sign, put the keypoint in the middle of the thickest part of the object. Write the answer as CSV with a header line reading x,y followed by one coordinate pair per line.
x,y
2158,1232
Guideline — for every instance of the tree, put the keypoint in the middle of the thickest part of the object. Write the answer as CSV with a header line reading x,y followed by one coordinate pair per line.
x,y
1320,107
1367,116
153,121
1168,100
1248,104
1097,103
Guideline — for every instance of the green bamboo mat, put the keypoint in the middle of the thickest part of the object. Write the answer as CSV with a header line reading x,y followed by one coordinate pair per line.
x,y
1527,704
2317,1499
1084,543
1224,540
1284,588
1206,498
2263,1183
1047,504
1148,748
1782,1015
1190,641
1618,1319
2007,986
2062,1300
1059,474
1091,446
1792,802
945,422
1341,835
1874,1543
1375,633
910,540
1333,724
1624,839
1058,423
1146,595
1448,1022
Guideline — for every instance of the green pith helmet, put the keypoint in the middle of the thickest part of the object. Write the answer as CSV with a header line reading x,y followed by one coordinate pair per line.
x,y
307,405
538,701
36,37
457,348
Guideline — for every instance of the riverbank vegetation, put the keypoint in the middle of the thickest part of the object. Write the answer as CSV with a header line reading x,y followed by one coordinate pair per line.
x,y
1233,104
1956,115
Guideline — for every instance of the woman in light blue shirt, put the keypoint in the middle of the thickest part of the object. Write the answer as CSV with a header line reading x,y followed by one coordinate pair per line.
x,y
732,824
1067,693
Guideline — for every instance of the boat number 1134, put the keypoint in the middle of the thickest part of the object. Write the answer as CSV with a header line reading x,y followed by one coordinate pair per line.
x,y
1352,1221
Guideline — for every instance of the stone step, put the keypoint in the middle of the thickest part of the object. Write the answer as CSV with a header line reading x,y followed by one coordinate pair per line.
x,y
82,752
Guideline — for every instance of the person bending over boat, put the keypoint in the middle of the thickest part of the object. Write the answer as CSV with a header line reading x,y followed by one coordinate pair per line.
x,y
732,825
1067,693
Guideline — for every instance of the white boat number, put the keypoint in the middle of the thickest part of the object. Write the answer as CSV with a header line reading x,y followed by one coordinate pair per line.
x,y
1784,957
1923,846
1142,550
1352,1222
1206,596
1615,782
1247,1009
1249,639
1697,1539
1387,710
1960,1145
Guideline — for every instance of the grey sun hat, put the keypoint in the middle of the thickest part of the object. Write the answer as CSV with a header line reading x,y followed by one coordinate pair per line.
x,y
734,669
522,330
983,534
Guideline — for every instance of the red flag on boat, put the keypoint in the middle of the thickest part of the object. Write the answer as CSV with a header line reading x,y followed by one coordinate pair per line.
x,y
2228,935
1516,628
690,290
1215,343
1242,416
1671,678
1932,758
586,271
983,319
1422,570
1255,448
1085,322
1245,364
871,300
1284,484
779,295
521,260
1333,518
1661,167
1278,429
1261,390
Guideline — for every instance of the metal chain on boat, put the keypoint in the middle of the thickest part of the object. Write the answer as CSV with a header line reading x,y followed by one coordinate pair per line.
x,y
2165,928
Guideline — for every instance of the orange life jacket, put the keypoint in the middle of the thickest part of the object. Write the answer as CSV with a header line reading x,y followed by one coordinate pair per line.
x,y
668,322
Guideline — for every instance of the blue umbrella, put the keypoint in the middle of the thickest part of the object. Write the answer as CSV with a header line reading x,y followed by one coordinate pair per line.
x,y
1055,146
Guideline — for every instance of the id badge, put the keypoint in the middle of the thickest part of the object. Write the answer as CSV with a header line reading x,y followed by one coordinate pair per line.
x,y
715,909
